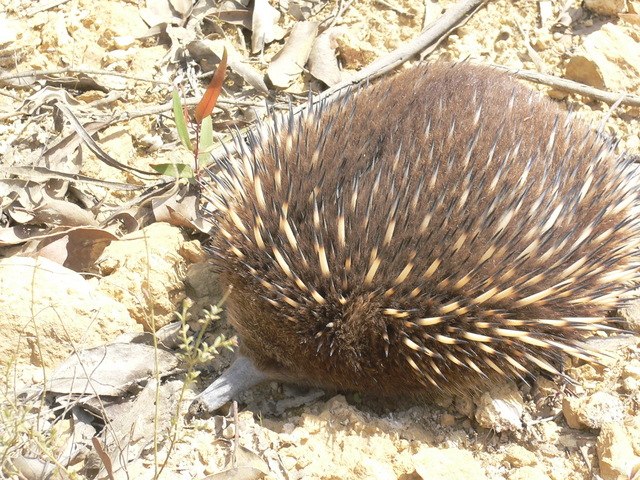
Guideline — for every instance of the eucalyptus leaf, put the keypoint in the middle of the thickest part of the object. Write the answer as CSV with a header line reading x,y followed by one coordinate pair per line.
x,y
181,123
175,170
206,140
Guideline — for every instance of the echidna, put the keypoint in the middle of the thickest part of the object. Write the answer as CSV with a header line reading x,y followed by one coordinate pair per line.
x,y
440,229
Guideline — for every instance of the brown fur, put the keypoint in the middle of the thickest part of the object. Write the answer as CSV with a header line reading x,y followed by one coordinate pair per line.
x,y
500,171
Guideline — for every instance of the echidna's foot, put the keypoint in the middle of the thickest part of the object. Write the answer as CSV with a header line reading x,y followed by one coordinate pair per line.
x,y
242,374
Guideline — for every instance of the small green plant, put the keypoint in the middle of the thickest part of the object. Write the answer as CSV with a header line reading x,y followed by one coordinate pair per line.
x,y
22,435
201,125
194,352
195,349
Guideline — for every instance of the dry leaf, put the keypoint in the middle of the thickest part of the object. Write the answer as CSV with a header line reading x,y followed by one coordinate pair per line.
x,y
109,370
323,63
41,174
183,7
238,473
180,207
132,424
632,18
242,18
263,25
77,249
45,96
158,12
59,152
18,190
94,147
31,468
20,234
289,62
248,458
80,81
209,52
300,10
59,212
233,12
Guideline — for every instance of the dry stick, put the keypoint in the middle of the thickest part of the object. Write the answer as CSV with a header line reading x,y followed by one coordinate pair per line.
x,y
44,73
394,8
572,87
95,148
43,6
11,96
156,109
533,55
430,35
237,433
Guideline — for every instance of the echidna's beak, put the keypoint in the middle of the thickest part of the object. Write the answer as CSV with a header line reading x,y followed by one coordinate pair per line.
x,y
242,374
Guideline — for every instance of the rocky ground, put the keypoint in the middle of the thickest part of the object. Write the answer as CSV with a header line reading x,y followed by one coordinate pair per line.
x,y
94,253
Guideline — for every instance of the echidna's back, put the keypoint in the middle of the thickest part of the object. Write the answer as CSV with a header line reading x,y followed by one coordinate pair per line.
x,y
443,224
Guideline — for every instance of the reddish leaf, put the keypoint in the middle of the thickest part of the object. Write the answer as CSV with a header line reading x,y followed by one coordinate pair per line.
x,y
210,97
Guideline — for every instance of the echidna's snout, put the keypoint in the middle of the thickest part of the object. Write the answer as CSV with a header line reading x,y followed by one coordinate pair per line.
x,y
440,229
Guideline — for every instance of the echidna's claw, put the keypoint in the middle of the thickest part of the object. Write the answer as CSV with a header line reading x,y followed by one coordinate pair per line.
x,y
242,374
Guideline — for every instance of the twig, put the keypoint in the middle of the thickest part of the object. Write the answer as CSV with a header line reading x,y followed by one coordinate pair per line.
x,y
572,87
430,35
237,433
41,174
95,148
337,15
342,7
41,7
11,95
533,55
58,71
398,10
143,112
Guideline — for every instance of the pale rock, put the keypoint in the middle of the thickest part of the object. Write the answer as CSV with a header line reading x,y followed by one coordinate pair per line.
x,y
632,369
570,409
615,453
631,315
123,42
607,59
632,424
606,7
447,420
500,408
592,411
447,463
194,252
528,473
518,456
118,59
8,32
145,272
47,311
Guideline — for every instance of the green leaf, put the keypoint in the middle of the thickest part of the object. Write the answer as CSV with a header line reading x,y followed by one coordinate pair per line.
x,y
181,123
206,141
175,170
